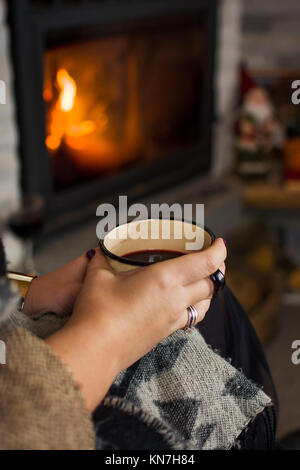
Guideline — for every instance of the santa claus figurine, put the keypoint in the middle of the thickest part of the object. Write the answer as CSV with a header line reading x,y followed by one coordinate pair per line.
x,y
258,134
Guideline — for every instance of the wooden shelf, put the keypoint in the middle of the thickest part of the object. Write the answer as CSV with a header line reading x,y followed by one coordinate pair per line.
x,y
271,197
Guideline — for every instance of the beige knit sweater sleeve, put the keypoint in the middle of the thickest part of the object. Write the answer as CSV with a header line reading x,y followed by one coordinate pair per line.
x,y
41,406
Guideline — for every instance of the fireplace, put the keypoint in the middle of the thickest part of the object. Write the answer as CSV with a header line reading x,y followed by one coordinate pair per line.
x,y
112,96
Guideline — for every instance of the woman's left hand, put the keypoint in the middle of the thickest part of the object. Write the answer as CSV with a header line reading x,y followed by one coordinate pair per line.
x,y
56,291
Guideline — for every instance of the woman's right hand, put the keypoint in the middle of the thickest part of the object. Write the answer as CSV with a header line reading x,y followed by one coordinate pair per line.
x,y
119,317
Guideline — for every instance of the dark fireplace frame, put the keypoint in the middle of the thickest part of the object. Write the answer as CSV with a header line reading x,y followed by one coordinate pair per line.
x,y
30,22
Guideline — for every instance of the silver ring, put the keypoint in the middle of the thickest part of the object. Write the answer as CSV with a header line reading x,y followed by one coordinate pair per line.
x,y
195,315
192,318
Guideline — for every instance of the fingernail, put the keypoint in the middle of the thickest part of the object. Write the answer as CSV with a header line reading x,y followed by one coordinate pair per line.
x,y
225,242
90,254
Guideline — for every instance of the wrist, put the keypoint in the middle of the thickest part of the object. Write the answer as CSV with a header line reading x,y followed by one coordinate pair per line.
x,y
100,339
90,356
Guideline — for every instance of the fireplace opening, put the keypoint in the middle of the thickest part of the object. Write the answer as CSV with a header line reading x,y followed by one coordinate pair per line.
x,y
112,97
120,100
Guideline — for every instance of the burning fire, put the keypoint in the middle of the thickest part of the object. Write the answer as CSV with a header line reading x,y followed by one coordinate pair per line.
x,y
62,123
68,90
79,125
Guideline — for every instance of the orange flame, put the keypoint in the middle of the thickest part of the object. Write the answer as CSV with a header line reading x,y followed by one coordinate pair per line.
x,y
68,90
61,123
79,125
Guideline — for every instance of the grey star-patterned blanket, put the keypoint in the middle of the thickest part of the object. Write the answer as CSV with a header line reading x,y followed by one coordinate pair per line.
x,y
187,393
181,395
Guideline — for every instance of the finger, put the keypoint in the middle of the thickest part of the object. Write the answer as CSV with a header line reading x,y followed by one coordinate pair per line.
x,y
199,291
74,270
99,261
223,268
202,308
203,289
192,267
78,267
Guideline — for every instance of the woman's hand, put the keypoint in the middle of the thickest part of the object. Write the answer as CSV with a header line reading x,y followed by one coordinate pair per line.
x,y
118,318
56,291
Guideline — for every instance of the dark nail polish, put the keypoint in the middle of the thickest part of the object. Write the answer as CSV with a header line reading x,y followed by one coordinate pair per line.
x,y
90,254
225,242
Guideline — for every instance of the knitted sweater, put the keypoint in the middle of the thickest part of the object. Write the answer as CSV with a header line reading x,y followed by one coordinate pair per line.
x,y
41,406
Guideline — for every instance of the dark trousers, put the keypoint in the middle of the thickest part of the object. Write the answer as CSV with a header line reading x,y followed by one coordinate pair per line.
x,y
227,329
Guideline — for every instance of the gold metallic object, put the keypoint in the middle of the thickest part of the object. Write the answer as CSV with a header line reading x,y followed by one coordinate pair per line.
x,y
21,280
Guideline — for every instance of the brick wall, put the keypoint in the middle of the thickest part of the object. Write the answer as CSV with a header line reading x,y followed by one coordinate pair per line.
x,y
226,82
8,159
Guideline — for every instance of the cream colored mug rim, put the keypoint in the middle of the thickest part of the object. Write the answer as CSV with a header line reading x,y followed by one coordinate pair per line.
x,y
131,262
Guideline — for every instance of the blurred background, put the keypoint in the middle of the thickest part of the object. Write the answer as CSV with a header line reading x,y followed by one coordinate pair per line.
x,y
164,101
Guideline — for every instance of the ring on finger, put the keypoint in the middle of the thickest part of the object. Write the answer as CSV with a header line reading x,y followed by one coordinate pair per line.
x,y
218,279
192,318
